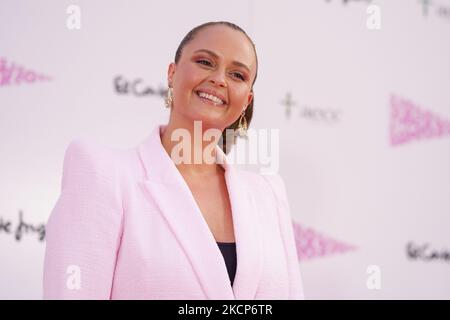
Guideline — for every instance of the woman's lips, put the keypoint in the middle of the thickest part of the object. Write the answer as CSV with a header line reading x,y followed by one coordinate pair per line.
x,y
207,101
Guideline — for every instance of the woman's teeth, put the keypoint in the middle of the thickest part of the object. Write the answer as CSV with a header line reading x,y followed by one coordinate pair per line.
x,y
210,97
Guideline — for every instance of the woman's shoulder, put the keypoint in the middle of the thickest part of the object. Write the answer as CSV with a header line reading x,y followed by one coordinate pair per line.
x,y
87,158
85,148
87,153
264,182
274,179
94,153
268,189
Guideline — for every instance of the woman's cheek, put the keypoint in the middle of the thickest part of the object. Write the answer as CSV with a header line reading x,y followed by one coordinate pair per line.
x,y
240,97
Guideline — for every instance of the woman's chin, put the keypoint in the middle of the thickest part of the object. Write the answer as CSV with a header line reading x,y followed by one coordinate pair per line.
x,y
209,119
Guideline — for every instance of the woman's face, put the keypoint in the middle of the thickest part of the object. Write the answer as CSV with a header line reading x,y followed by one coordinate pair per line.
x,y
221,62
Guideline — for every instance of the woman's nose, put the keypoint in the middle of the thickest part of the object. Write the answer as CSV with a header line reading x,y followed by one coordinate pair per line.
x,y
218,78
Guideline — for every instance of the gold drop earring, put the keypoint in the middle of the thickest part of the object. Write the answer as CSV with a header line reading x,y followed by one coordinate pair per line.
x,y
242,126
169,98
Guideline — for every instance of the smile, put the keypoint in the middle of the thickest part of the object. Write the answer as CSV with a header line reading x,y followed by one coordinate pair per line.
x,y
209,98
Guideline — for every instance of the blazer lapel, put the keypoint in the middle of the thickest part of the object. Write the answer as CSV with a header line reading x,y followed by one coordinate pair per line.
x,y
166,186
247,233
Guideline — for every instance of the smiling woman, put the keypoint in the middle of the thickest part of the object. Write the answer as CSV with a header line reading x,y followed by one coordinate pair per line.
x,y
219,59
136,224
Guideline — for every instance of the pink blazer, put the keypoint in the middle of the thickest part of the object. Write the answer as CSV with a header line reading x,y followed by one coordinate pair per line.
x,y
126,226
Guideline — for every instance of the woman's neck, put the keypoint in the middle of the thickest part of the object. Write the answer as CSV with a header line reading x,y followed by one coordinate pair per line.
x,y
192,154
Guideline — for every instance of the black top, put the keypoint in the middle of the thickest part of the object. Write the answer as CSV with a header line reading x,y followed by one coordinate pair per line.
x,y
228,250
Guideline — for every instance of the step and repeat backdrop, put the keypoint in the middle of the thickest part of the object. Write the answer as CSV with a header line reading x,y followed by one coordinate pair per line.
x,y
359,92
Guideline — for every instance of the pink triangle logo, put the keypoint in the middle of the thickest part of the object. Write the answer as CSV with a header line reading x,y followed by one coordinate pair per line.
x,y
409,122
13,74
311,244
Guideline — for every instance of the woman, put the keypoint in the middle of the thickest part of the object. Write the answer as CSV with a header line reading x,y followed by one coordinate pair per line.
x,y
139,224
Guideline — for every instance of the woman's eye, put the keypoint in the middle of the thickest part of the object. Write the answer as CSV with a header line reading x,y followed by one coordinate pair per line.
x,y
204,62
209,64
240,76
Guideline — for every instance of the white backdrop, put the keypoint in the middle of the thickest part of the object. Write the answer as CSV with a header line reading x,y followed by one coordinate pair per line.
x,y
364,141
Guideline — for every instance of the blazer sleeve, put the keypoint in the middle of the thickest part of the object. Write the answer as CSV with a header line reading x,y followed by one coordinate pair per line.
x,y
84,227
287,233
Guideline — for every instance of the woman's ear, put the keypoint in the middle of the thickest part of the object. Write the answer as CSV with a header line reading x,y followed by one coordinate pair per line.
x,y
170,73
250,97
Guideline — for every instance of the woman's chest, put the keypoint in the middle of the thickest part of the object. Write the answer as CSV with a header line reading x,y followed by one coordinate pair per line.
x,y
212,198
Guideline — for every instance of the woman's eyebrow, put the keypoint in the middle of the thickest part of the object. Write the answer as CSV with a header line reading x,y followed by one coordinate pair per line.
x,y
215,55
